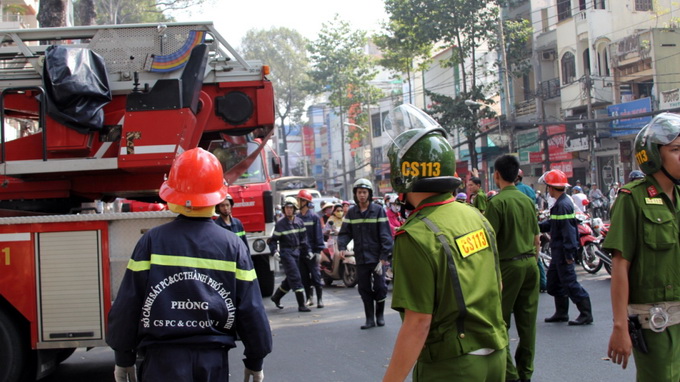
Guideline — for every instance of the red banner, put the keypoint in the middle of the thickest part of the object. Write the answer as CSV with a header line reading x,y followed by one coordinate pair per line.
x,y
566,167
308,140
536,157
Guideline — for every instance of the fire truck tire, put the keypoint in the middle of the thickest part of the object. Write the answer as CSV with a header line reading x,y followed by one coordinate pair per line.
x,y
265,276
14,364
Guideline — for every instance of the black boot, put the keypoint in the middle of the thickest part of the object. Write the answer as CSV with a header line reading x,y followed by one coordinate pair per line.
x,y
319,301
586,316
310,296
277,297
300,296
370,320
379,313
561,310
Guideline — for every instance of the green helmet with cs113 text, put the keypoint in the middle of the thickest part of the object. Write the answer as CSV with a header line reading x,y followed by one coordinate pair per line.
x,y
422,160
661,130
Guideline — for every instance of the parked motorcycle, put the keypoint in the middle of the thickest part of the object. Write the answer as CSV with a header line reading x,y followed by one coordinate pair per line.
x,y
589,246
544,251
600,230
335,267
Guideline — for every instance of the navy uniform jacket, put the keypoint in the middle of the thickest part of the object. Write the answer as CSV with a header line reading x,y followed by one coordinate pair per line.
x,y
189,282
236,227
370,231
563,227
314,234
291,237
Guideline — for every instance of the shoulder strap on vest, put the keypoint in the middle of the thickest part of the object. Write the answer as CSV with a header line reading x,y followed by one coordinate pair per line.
x,y
458,291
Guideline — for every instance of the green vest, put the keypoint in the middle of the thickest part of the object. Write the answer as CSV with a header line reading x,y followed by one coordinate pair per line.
x,y
644,228
423,282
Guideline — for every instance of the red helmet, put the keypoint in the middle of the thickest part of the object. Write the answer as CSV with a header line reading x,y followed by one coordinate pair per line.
x,y
195,180
554,178
305,195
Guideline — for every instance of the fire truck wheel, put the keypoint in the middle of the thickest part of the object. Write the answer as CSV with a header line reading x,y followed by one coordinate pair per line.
x,y
16,356
265,276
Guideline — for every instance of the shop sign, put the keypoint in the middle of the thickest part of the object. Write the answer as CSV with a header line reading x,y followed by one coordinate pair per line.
x,y
632,125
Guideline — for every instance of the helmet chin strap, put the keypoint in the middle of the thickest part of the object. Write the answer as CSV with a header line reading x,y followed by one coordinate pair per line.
x,y
674,180
405,205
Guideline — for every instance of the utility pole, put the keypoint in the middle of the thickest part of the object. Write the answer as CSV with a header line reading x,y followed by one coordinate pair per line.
x,y
506,82
590,129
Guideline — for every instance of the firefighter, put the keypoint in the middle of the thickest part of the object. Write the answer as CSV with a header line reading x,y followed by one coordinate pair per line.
x,y
447,283
366,224
643,241
291,237
189,289
562,225
225,220
309,262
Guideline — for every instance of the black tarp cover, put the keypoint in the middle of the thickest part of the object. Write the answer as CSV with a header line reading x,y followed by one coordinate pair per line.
x,y
77,87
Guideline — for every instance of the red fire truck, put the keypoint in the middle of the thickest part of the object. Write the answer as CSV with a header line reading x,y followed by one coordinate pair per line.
x,y
94,114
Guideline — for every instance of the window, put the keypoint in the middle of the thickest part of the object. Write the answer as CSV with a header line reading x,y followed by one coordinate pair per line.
x,y
643,5
581,5
568,64
586,61
563,9
600,4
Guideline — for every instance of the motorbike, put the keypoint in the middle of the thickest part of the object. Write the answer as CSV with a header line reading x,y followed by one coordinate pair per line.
x,y
600,230
599,207
544,250
335,267
589,246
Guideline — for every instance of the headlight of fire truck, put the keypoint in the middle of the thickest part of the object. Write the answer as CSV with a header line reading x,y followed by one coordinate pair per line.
x,y
259,245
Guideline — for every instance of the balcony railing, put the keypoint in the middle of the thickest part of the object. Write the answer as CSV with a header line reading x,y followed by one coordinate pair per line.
x,y
550,88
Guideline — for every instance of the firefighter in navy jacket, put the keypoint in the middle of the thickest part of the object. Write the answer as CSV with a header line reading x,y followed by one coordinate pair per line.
x,y
564,244
309,262
366,224
226,220
189,289
290,236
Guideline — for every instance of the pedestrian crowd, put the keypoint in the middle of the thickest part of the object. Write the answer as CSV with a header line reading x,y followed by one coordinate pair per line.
x,y
461,267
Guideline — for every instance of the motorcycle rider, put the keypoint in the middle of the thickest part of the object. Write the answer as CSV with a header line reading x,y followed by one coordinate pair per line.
x,y
212,282
643,241
447,282
597,201
580,199
564,244
393,215
309,262
366,224
225,220
291,237
635,175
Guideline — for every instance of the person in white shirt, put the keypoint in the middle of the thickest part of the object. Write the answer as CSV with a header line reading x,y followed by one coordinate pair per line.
x,y
579,197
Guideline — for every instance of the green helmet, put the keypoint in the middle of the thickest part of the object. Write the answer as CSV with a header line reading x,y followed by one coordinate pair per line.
x,y
365,184
421,159
662,130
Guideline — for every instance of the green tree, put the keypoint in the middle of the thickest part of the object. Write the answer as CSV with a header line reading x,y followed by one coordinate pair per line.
x,y
284,50
342,69
403,49
52,13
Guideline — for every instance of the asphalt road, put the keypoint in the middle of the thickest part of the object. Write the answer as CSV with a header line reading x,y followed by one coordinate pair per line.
x,y
327,344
